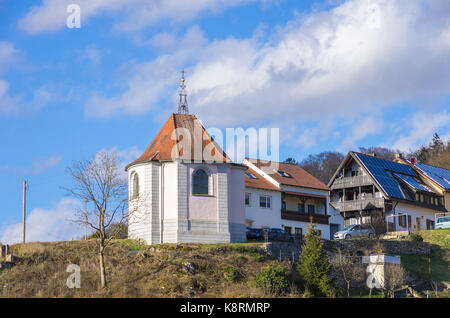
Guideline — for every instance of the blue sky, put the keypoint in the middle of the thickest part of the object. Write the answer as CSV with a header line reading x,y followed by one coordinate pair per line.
x,y
332,75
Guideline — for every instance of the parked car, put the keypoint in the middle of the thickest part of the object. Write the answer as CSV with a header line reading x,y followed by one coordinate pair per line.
x,y
356,230
277,234
254,234
442,222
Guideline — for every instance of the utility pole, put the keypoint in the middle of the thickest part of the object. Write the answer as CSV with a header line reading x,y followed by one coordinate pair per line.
x,y
24,209
85,219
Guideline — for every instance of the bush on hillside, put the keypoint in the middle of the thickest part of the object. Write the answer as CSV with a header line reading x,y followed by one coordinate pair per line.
x,y
230,274
273,279
414,237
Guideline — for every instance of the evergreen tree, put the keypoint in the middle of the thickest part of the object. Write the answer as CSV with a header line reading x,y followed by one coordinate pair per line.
x,y
314,267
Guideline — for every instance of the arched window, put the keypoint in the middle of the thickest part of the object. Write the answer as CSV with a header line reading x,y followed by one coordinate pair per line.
x,y
200,184
135,191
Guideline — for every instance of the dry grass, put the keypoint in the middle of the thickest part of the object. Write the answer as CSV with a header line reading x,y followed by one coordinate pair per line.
x,y
135,270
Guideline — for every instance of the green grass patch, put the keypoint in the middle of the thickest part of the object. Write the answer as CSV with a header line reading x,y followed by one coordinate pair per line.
x,y
437,237
436,265
131,244
364,293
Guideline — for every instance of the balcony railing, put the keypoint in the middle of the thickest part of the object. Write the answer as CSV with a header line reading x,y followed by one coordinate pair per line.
x,y
356,205
303,217
349,182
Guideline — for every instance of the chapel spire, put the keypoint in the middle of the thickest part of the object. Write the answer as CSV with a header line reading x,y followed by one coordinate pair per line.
x,y
182,104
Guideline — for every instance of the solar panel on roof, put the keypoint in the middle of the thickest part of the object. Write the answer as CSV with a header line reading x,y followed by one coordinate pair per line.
x,y
381,170
413,182
440,175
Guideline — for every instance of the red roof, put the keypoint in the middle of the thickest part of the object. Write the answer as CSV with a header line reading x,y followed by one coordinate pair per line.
x,y
298,176
168,143
260,182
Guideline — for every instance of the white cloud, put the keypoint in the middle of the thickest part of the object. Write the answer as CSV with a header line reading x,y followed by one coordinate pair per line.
x,y
9,105
421,128
46,224
367,126
342,63
92,54
13,104
8,56
43,164
38,166
136,14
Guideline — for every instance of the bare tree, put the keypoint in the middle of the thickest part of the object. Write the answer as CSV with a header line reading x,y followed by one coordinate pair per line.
x,y
349,267
102,186
322,165
394,278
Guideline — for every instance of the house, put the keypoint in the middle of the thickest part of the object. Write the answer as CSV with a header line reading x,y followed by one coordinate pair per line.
x,y
435,178
287,197
390,195
187,189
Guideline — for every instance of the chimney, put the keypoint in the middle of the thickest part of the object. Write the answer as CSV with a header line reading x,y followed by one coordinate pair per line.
x,y
413,161
398,156
373,154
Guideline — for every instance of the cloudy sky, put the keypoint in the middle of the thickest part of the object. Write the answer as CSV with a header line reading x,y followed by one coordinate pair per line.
x,y
332,75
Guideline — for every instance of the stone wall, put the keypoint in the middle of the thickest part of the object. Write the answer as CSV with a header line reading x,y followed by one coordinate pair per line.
x,y
283,250
373,246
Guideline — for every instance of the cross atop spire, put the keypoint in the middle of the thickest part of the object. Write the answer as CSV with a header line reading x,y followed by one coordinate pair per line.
x,y
182,104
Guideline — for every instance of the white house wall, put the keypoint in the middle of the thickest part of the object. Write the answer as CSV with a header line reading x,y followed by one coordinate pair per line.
x,y
140,215
263,217
415,212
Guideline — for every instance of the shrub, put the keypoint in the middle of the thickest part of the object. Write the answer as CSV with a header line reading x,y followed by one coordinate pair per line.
x,y
414,237
258,257
273,279
230,274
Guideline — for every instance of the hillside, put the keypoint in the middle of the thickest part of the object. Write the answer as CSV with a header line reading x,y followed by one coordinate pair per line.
x,y
135,270
171,270
436,266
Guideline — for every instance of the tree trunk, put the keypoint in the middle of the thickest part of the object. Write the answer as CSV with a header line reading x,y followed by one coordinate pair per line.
x,y
348,289
102,268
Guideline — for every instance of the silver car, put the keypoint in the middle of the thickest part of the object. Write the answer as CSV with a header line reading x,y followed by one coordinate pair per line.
x,y
364,230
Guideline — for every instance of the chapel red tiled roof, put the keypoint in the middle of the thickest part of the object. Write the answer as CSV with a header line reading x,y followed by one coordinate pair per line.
x,y
168,143
299,177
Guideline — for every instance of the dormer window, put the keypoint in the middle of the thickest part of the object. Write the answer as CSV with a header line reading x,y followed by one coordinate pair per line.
x,y
284,174
250,175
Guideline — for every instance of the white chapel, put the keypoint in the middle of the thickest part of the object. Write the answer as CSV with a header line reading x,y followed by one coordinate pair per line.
x,y
188,190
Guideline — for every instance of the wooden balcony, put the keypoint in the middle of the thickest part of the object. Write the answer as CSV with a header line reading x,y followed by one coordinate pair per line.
x,y
350,182
303,217
356,205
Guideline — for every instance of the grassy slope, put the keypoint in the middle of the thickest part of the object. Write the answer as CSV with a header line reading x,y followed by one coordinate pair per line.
x,y
439,257
134,270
